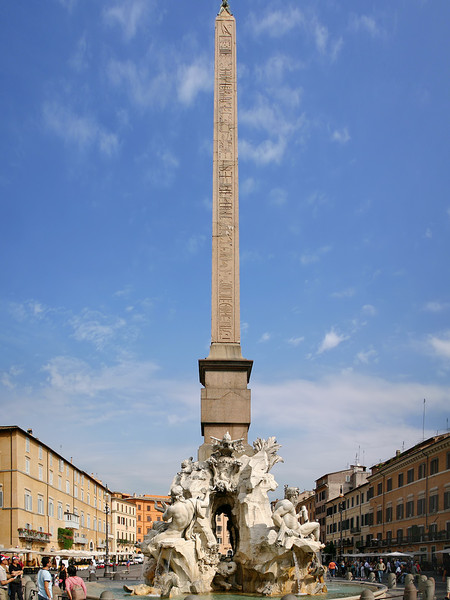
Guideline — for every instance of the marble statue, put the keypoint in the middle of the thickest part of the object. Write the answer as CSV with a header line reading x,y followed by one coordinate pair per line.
x,y
274,552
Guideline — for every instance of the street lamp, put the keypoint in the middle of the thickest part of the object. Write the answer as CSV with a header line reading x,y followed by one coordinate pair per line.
x,y
107,498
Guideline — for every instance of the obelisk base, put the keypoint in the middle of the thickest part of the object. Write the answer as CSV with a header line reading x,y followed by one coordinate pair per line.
x,y
225,400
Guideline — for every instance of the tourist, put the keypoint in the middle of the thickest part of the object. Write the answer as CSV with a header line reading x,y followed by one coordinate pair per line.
x,y
5,578
15,587
332,568
75,586
44,580
446,577
380,568
62,576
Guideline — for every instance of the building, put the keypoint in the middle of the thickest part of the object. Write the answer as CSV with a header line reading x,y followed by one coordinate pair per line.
x,y
46,502
410,500
148,509
347,521
123,525
331,486
307,499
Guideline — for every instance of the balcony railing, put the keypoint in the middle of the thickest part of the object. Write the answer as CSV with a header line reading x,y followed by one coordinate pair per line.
x,y
33,534
80,539
71,520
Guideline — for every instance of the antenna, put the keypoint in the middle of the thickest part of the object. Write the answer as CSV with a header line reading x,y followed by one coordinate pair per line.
x,y
423,421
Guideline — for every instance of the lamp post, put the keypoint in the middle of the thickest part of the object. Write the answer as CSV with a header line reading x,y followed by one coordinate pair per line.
x,y
107,499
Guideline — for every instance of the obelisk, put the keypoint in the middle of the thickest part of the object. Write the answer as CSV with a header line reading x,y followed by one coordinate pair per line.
x,y
225,399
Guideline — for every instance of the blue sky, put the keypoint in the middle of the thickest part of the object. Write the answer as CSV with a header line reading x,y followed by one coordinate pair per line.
x,y
105,228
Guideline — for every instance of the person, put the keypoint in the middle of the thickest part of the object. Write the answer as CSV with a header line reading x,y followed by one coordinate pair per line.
x,y
332,568
44,580
75,586
5,578
446,577
380,568
62,576
15,587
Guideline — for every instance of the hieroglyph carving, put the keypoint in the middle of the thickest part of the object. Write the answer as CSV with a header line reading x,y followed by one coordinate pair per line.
x,y
226,192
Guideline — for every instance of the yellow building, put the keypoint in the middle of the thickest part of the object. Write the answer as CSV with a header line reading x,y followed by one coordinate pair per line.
x,y
123,525
46,502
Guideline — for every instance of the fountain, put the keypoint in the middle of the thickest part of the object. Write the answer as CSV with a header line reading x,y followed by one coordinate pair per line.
x,y
273,553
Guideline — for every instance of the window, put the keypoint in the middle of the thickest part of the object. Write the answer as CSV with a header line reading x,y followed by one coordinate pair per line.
x,y
67,471
446,500
27,465
380,489
67,486
27,445
389,484
399,536
88,498
434,503
388,514
410,508
40,505
1,495
82,519
51,508
149,518
41,472
40,452
28,504
139,529
139,517
89,521
61,465
400,480
362,497
400,511
379,516
50,477
389,537
434,466
148,506
82,495
370,493
50,460
448,460
75,491
60,511
95,524
422,471
410,475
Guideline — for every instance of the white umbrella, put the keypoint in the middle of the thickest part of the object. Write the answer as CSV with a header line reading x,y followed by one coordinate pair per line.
x,y
445,551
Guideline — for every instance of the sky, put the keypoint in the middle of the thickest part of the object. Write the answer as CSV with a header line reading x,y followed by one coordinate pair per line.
x,y
105,228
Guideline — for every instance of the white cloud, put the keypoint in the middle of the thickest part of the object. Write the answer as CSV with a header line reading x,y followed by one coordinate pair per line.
x,y
128,15
277,23
331,341
143,89
436,306
428,233
369,310
263,153
278,197
193,79
83,131
347,293
367,24
295,341
308,258
79,59
366,357
96,328
341,136
441,345
195,243
265,337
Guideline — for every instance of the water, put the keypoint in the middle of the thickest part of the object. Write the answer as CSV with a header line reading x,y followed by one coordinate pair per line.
x,y
335,590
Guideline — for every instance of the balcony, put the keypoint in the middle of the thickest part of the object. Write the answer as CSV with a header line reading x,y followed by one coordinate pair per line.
x,y
80,539
33,535
71,521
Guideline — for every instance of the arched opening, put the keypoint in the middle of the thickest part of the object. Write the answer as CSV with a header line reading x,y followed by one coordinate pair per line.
x,y
224,524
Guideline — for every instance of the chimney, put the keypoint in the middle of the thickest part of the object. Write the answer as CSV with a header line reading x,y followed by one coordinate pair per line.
x,y
30,431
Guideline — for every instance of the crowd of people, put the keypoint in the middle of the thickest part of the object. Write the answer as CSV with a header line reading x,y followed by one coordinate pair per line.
x,y
11,572
361,568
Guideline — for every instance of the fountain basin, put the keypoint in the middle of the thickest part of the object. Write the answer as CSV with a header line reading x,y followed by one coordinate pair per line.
x,y
336,590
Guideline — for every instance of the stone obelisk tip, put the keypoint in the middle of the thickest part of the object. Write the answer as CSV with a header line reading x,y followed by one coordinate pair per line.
x,y
225,7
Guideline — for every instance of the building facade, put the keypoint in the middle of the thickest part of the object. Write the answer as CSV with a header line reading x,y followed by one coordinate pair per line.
x,y
410,500
123,525
148,509
46,502
331,486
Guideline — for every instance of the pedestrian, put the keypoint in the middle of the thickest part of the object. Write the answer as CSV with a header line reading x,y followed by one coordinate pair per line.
x,y
44,580
5,578
15,587
75,586
380,568
62,576
332,568
446,577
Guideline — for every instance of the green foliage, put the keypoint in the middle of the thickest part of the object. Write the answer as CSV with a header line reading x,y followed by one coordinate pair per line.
x,y
65,537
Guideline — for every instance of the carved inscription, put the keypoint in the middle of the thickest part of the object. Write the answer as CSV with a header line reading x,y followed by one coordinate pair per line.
x,y
226,160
